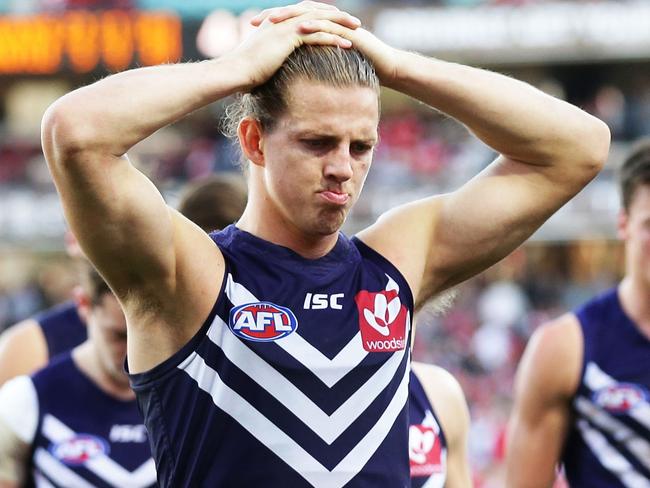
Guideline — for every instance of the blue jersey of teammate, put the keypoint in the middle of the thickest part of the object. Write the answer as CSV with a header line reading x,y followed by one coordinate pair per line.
x,y
609,441
427,444
62,328
299,376
79,435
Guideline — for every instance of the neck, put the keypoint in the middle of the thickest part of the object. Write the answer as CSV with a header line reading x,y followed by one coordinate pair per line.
x,y
634,294
266,224
87,360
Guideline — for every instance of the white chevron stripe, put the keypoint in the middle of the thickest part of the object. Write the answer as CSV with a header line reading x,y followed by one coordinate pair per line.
x,y
328,427
41,481
103,466
58,472
596,378
610,458
634,443
436,480
277,441
329,371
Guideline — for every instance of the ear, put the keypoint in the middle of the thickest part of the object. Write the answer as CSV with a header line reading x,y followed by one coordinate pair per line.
x,y
82,300
250,136
621,225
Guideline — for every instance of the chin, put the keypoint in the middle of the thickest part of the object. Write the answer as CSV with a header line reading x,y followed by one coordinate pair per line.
x,y
329,224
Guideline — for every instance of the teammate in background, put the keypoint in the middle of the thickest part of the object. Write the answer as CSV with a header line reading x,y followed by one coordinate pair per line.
x,y
76,422
439,425
583,385
280,339
438,414
214,202
28,345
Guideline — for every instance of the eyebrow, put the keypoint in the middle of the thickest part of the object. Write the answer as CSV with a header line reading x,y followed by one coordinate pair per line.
x,y
302,134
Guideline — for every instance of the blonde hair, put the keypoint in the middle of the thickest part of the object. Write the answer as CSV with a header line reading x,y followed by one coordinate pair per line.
x,y
330,65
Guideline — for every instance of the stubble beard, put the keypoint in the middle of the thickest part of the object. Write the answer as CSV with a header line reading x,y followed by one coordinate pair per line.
x,y
330,221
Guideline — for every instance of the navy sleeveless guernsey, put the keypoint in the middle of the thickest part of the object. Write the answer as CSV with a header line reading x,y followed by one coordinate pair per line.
x,y
82,436
298,378
427,444
62,328
609,441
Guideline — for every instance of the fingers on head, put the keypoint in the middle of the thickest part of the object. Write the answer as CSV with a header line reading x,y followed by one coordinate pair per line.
x,y
279,14
327,26
321,38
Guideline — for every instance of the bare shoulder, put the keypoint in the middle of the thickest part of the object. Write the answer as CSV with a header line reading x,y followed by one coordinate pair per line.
x,y
447,398
438,380
23,350
553,357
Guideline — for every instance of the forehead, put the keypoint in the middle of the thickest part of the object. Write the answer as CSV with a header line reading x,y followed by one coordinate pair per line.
x,y
332,110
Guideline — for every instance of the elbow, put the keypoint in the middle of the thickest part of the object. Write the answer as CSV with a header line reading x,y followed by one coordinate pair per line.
x,y
66,133
594,147
60,132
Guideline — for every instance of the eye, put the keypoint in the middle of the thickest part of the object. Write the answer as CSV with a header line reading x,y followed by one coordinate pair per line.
x,y
360,147
315,143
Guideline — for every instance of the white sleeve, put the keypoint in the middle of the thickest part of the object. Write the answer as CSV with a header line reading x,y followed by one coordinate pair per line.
x,y
19,407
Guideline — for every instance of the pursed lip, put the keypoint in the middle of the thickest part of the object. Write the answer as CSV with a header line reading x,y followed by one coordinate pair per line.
x,y
335,197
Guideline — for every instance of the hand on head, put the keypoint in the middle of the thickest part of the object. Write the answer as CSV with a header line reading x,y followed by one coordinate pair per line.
x,y
280,14
308,23
324,24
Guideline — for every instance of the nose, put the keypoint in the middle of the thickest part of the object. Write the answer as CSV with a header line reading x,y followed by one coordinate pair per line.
x,y
339,164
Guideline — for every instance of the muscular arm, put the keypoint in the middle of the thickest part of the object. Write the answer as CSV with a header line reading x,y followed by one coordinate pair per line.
x,y
118,216
448,401
112,208
548,149
23,350
546,380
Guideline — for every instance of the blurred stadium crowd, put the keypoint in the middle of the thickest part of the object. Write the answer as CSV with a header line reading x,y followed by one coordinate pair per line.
x,y
478,334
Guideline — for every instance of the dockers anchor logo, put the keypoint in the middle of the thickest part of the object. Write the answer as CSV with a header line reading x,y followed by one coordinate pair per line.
x,y
382,319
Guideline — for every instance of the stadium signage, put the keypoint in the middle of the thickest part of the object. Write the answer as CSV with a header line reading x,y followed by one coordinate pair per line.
x,y
82,41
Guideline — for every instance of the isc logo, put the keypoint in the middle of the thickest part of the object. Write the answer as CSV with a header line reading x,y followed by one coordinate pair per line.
x,y
321,301
262,321
128,433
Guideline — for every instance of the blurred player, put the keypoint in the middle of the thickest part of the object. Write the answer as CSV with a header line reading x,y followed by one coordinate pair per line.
x,y
214,202
275,352
439,425
76,422
583,386
28,345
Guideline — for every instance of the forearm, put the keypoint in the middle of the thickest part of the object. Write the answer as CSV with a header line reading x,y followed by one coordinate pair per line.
x,y
117,112
510,116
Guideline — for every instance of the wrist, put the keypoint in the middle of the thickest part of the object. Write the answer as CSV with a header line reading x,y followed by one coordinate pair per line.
x,y
232,73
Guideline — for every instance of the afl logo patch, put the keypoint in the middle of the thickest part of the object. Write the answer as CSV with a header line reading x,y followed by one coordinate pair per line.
x,y
79,449
620,397
262,321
